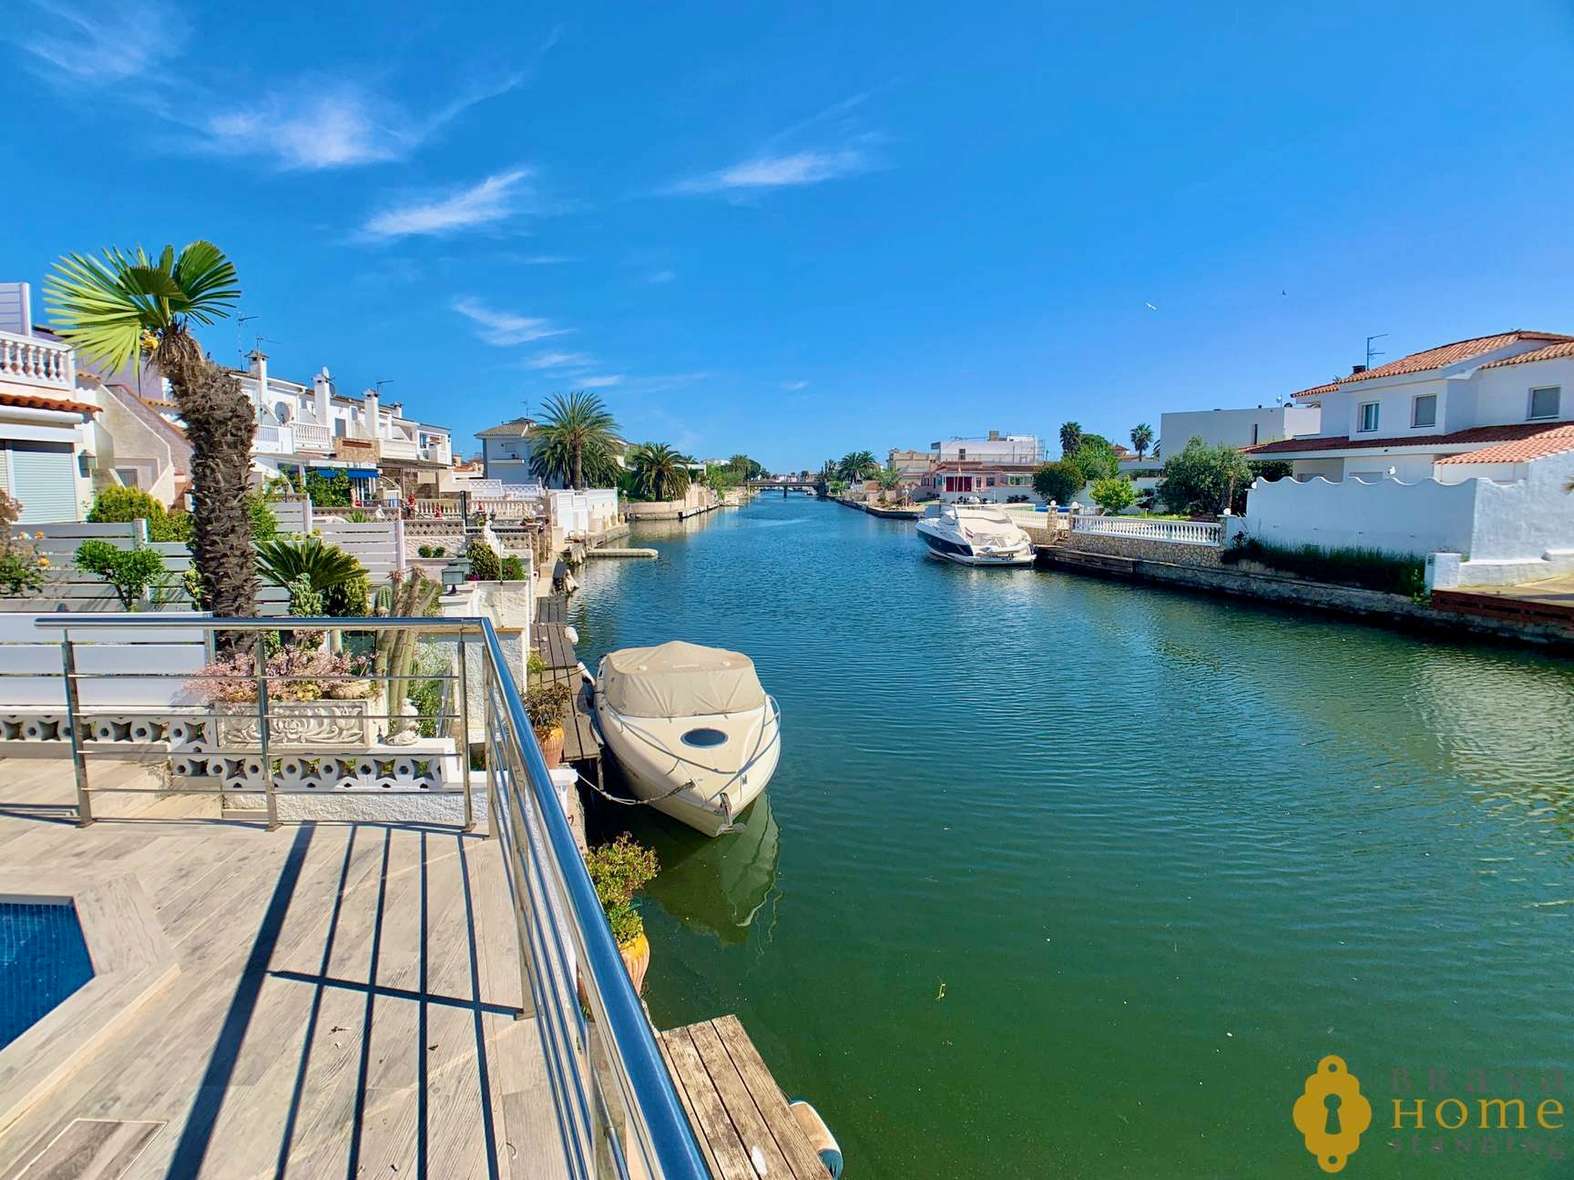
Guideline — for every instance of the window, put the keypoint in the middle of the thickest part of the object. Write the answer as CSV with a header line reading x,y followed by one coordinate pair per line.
x,y
1254,434
1423,410
961,452
1544,402
990,482
1368,416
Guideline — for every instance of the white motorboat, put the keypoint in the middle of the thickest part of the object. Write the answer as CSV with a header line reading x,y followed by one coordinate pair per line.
x,y
694,731
976,535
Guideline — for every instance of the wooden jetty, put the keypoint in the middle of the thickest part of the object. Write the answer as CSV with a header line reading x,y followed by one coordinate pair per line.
x,y
549,638
740,1115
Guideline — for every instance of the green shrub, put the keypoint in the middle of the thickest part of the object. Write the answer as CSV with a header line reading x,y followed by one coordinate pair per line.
x,y
483,561
424,550
118,505
1059,481
357,516
131,572
328,491
513,569
1095,458
1369,569
1204,480
1114,494
177,526
545,705
619,870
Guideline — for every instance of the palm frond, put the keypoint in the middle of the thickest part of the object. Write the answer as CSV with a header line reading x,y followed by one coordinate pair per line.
x,y
283,560
95,305
208,279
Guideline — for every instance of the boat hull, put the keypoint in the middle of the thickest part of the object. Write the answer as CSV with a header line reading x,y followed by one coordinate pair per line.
x,y
948,548
707,788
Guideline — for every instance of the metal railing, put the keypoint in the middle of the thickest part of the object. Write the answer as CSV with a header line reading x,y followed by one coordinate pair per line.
x,y
1179,532
618,1112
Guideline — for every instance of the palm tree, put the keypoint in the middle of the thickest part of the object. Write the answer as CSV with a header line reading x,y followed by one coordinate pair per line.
x,y
889,478
1141,436
128,306
325,566
577,438
660,473
1070,438
856,465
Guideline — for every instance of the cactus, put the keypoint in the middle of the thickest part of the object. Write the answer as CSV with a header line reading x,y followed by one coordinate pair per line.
x,y
407,596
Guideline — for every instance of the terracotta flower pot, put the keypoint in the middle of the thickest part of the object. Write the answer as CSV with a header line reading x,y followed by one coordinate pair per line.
x,y
636,957
552,745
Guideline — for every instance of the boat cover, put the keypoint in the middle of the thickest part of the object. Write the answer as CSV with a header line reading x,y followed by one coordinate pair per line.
x,y
679,680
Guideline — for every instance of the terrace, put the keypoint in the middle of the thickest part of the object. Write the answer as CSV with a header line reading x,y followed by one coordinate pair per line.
x,y
412,977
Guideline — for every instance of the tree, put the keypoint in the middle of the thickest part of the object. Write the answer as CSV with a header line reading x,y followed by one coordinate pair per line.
x,y
1141,438
132,572
1070,438
745,468
659,471
325,566
889,479
856,466
576,441
1203,479
1095,455
1059,482
1114,494
129,306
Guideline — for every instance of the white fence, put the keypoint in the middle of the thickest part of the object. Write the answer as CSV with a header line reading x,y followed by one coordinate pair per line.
x,y
1177,532
1508,531
33,676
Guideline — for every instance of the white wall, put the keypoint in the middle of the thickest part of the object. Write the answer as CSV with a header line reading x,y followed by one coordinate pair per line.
x,y
1504,394
1407,518
1528,518
1233,428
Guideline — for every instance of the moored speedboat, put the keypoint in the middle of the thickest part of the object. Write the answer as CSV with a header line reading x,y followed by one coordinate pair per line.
x,y
975,535
694,731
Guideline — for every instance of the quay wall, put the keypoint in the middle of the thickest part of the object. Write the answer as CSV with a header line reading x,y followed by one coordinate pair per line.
x,y
1370,605
1144,549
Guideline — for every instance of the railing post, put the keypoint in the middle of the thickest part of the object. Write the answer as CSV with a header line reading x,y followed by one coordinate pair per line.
x,y
262,734
464,733
73,719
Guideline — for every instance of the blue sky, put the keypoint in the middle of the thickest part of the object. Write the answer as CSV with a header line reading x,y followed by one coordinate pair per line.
x,y
799,230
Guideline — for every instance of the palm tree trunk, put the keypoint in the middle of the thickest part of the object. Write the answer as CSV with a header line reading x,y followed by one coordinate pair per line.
x,y
579,477
219,422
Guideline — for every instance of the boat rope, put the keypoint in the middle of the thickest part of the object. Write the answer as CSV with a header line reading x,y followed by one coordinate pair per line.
x,y
611,798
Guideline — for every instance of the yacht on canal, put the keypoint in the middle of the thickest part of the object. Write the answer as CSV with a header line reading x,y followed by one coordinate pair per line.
x,y
975,534
696,734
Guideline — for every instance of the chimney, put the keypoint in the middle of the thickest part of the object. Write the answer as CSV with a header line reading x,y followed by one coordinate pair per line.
x,y
322,394
371,407
994,436
259,370
1354,369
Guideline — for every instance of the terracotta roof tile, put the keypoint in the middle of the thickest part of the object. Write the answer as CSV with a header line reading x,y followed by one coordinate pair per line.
x,y
1452,354
29,402
1484,435
1549,441
1550,353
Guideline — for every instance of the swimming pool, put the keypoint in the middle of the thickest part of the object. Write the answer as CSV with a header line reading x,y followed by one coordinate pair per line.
x,y
43,959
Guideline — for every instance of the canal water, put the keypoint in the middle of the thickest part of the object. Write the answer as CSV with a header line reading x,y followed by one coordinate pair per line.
x,y
1066,877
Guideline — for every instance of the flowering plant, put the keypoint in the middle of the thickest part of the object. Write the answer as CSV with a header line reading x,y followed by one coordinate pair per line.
x,y
294,674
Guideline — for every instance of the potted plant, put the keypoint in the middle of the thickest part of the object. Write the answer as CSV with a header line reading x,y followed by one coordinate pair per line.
x,y
315,699
619,870
545,705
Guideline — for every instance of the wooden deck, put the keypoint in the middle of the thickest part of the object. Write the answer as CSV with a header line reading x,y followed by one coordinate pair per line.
x,y
738,1111
344,1007
549,637
1549,603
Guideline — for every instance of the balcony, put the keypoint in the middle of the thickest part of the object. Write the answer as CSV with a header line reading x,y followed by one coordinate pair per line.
x,y
399,448
424,986
32,360
311,437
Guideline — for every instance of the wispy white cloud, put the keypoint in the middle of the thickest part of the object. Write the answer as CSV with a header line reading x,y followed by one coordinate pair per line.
x,y
505,328
105,40
794,386
559,360
602,382
494,199
781,171
314,124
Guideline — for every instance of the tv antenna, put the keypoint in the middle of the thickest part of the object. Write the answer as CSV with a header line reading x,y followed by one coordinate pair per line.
x,y
1371,352
240,332
377,386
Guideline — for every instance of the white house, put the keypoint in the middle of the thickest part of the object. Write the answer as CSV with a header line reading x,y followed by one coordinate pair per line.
x,y
1465,450
301,428
1240,428
508,448
1405,417
997,467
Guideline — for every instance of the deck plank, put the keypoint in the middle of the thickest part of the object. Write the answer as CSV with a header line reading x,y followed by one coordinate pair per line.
x,y
713,1124
769,1099
736,1098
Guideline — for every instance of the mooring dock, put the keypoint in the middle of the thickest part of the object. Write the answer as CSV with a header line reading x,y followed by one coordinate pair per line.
x,y
549,638
744,1124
